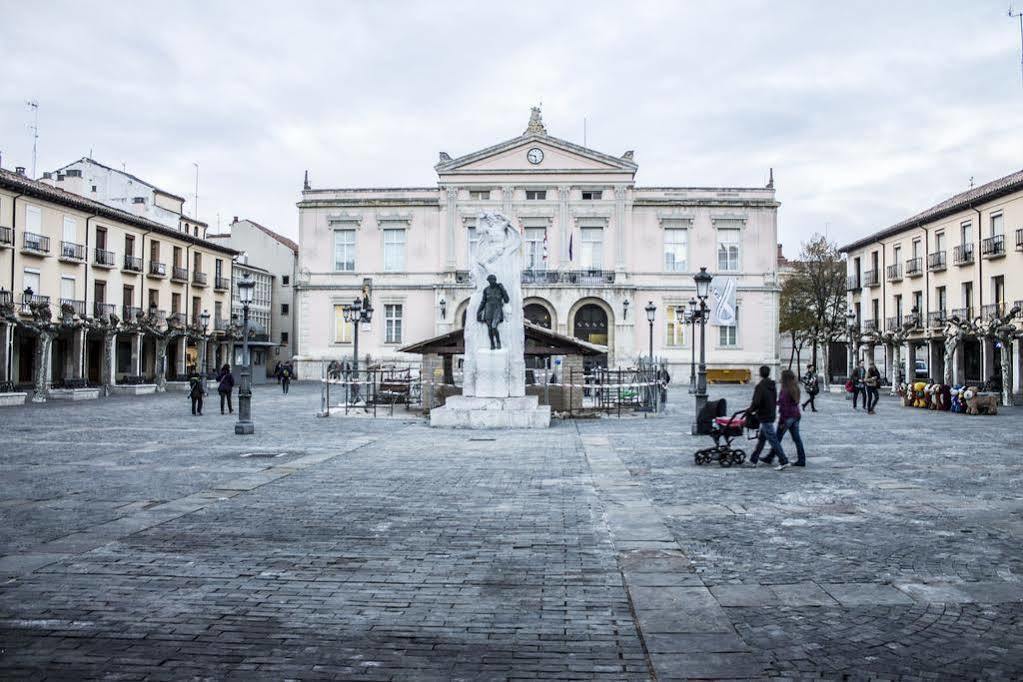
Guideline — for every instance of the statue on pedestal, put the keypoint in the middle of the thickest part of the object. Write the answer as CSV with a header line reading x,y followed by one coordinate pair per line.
x,y
491,310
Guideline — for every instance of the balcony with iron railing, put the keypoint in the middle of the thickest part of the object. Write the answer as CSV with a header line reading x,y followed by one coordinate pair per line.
x,y
132,263
894,273
157,269
871,278
75,306
6,236
993,247
962,314
914,267
893,324
962,254
179,274
103,309
35,244
199,279
6,298
852,283
936,261
130,312
221,283
27,300
103,258
871,326
1019,239
221,324
69,251
990,311
937,319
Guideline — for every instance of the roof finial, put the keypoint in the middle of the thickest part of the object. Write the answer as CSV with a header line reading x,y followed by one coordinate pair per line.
x,y
305,183
770,179
535,126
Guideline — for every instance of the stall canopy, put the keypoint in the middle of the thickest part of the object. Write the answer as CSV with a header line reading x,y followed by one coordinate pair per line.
x,y
540,341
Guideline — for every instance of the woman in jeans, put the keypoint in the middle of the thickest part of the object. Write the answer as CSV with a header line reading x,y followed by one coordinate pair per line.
x,y
788,413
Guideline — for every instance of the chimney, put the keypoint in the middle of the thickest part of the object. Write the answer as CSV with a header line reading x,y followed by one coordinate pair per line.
x,y
46,175
235,220
20,170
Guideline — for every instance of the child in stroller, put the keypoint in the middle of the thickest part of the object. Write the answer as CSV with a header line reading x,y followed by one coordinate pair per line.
x,y
713,422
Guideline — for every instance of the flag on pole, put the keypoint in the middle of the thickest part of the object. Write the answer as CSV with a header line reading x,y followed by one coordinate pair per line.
x,y
570,237
545,246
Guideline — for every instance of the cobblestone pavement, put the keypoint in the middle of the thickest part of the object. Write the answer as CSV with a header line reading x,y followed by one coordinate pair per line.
x,y
142,543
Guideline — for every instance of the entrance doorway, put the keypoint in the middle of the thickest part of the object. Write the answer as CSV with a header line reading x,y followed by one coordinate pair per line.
x,y
972,361
590,325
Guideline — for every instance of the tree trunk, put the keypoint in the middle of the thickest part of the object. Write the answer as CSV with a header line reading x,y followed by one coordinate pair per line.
x,y
951,343
41,367
161,363
1006,371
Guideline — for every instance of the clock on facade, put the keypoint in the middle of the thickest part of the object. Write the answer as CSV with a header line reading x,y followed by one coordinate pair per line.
x,y
535,155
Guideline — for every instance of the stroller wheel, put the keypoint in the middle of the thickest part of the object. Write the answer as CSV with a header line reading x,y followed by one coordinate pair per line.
x,y
739,455
726,459
697,458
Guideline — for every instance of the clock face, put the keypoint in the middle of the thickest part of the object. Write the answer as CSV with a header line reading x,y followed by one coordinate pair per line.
x,y
535,155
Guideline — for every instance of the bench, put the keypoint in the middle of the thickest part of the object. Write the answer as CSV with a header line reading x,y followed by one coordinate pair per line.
x,y
728,376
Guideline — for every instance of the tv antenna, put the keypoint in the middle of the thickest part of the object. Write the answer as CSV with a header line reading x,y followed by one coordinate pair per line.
x,y
34,127
195,207
1019,15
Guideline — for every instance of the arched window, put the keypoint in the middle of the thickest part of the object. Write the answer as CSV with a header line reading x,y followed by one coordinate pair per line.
x,y
537,314
591,324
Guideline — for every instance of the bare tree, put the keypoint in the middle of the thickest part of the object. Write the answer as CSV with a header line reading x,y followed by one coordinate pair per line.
x,y
796,318
818,284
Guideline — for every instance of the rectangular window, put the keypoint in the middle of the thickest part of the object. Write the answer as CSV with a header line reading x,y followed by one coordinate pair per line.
x,y
285,279
898,309
67,288
675,334
897,254
99,291
285,309
33,219
218,268
997,225
344,250
284,338
154,299
30,280
175,303
728,249
129,245
128,295
676,247
70,230
942,299
474,241
342,329
196,262
535,256
592,195
939,242
536,194
392,323
394,250
918,302
966,233
591,253
967,294
177,256
728,337
479,194
154,251
101,238
916,248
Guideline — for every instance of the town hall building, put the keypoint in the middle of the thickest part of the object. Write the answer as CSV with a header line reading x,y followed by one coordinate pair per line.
x,y
597,250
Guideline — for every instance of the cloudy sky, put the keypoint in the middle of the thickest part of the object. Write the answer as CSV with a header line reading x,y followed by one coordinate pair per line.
x,y
867,111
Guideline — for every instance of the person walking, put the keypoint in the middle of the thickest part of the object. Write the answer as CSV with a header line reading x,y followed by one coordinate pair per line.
x,y
663,379
277,372
196,390
225,386
788,414
872,384
813,386
285,378
858,387
765,408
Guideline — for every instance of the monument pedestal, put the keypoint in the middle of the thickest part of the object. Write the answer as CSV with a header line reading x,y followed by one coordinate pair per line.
x,y
477,412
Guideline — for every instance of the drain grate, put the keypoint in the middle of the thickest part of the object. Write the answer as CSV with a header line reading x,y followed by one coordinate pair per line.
x,y
265,455
481,440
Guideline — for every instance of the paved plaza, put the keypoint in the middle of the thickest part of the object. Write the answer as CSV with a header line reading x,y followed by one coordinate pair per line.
x,y
140,542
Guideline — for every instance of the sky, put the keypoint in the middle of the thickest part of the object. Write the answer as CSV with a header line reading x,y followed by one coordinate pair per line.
x,y
868,112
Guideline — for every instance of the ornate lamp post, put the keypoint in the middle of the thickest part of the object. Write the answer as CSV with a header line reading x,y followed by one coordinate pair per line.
x,y
651,312
204,320
850,318
694,316
245,425
358,311
703,280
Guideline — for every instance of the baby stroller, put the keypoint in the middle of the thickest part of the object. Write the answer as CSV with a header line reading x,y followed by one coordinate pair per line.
x,y
713,422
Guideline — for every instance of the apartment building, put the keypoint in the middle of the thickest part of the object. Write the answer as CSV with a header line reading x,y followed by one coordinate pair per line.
x,y
110,299
961,260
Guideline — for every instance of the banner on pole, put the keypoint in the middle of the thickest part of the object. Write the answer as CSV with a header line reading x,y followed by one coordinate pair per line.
x,y
722,296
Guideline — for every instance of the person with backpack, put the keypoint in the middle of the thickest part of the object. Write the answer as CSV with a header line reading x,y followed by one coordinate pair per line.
x,y
788,414
196,391
225,386
872,387
765,408
858,386
813,386
285,378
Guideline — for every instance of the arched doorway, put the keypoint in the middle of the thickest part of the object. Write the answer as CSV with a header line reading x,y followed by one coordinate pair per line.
x,y
537,314
590,323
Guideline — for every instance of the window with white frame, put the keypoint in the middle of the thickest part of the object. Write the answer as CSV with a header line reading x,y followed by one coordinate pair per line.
x,y
676,248
675,334
591,251
67,288
997,225
474,241
479,194
394,249
536,194
392,322
33,219
342,329
728,337
30,280
592,194
536,258
728,248
344,250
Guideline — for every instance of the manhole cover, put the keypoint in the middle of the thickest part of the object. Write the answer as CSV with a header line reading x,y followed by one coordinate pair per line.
x,y
264,454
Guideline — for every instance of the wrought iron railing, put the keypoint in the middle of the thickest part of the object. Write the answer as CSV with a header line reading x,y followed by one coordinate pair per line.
x,y
993,246
936,261
962,254
937,318
6,236
28,299
179,274
870,325
1019,239
130,312
222,283
914,267
103,309
72,251
990,311
221,323
962,314
133,263
104,258
871,278
157,269
199,278
6,298
894,272
78,307
39,243
852,283
893,324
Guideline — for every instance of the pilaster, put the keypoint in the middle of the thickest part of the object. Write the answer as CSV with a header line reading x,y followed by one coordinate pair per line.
x,y
136,354
620,195
452,214
108,369
564,227
78,353
6,347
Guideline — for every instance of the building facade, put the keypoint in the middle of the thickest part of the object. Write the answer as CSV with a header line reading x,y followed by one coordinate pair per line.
x,y
91,295
263,350
276,256
930,294
596,247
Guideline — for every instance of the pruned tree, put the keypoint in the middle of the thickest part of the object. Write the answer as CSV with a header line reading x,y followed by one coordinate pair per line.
x,y
795,317
819,277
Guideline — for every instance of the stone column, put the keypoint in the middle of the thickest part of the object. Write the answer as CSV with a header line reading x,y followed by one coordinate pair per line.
x,y
160,369
77,351
564,228
41,367
6,343
108,371
201,361
910,363
450,262
136,354
620,193
179,365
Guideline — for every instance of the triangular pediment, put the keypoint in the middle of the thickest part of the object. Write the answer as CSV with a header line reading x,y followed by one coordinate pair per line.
x,y
558,156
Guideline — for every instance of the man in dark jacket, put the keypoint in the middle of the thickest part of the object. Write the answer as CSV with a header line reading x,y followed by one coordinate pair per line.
x,y
196,390
225,385
765,408
859,377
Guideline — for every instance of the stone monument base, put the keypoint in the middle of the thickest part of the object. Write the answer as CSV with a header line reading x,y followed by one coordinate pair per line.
x,y
472,412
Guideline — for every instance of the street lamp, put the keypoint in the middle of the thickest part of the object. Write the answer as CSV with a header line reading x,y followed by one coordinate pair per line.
x,y
703,280
851,319
651,312
204,319
692,316
245,426
356,312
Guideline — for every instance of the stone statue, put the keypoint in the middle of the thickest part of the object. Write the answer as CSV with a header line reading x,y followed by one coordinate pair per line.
x,y
499,340
491,310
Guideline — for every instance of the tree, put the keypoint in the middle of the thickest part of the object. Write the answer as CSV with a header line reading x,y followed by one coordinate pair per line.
x,y
818,286
795,318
